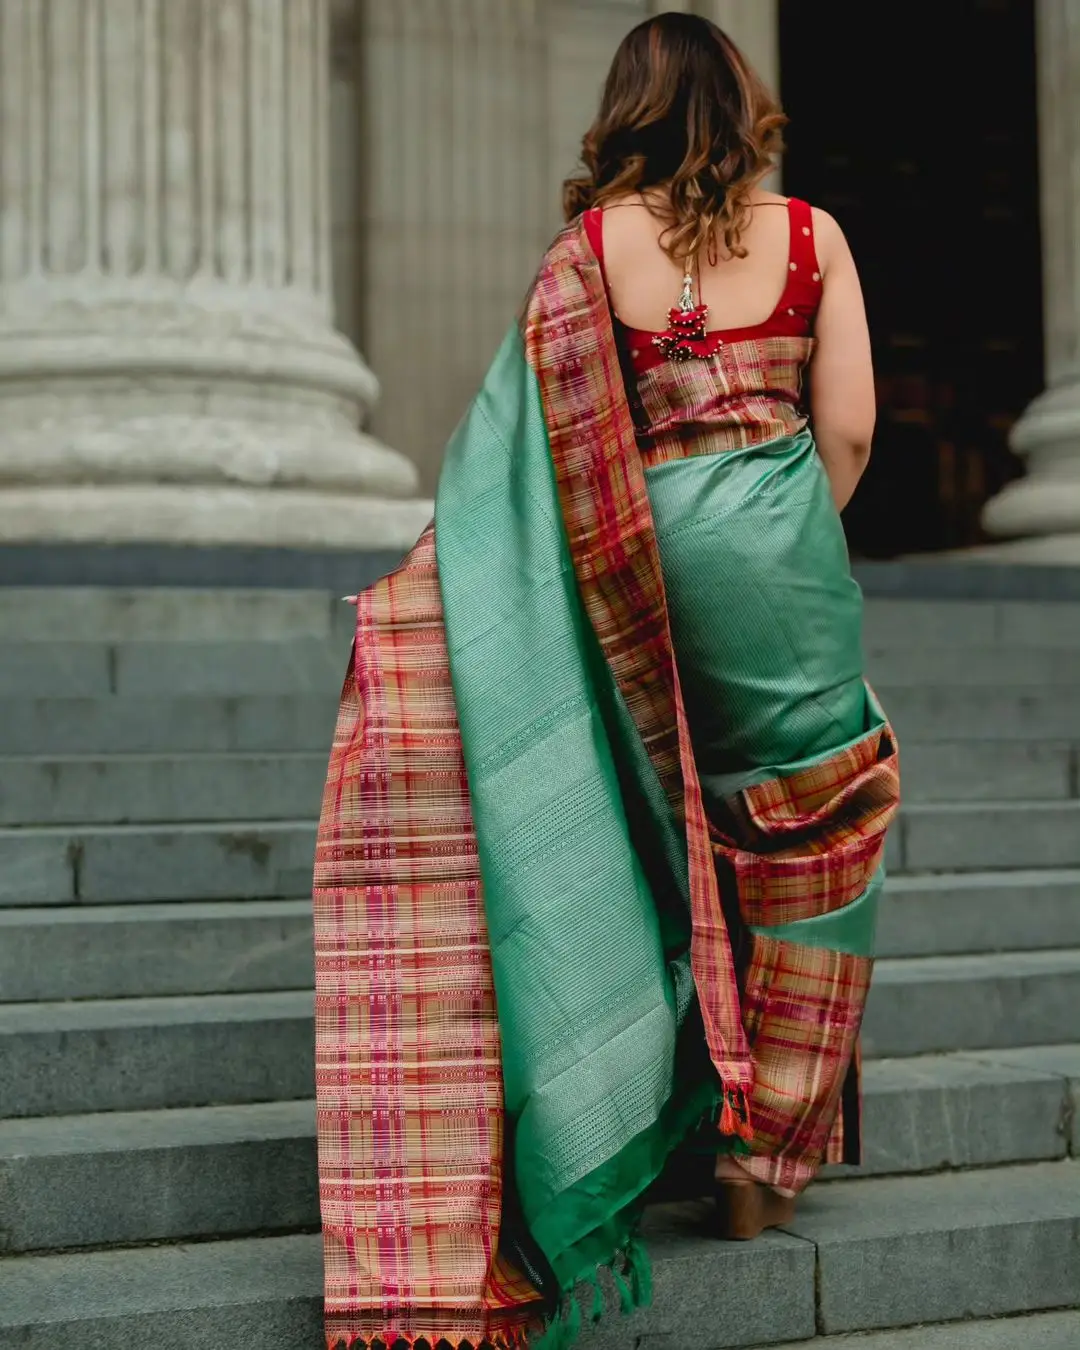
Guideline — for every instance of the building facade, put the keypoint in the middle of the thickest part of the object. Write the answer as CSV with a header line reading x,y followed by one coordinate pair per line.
x,y
196,194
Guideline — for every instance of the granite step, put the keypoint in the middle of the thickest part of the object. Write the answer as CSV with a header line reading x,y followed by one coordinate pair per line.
x,y
926,1005
237,946
988,771
976,1109
986,836
32,725
33,722
142,1054
269,860
943,914
223,947
143,668
116,614
132,789
116,864
229,664
222,786
948,666
134,951
1030,1331
898,1251
950,713
177,613
861,1255
931,624
151,1176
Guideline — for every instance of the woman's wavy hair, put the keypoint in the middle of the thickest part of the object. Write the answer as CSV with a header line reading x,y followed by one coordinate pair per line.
x,y
683,111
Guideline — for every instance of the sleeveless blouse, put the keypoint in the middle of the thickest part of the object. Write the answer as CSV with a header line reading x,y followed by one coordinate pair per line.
x,y
742,386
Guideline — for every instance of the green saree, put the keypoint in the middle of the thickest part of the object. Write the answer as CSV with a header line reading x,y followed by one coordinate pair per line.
x,y
599,853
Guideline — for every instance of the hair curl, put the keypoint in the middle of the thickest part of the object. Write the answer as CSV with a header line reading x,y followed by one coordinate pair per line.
x,y
684,112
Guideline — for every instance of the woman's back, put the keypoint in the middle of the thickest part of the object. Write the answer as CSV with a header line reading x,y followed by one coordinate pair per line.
x,y
716,348
644,282
787,300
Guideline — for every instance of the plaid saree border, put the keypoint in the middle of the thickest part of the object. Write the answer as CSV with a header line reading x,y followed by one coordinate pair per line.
x,y
570,344
806,844
800,847
408,1058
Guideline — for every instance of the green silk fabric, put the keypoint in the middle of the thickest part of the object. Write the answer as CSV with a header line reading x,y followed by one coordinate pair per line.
x,y
588,951
605,1065
765,615
769,655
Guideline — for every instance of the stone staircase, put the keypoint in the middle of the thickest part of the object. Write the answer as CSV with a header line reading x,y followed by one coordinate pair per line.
x,y
161,759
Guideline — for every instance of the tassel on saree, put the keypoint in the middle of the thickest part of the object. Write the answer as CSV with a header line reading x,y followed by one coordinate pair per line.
x,y
735,1115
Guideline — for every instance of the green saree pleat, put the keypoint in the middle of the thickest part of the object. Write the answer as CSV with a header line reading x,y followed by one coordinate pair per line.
x,y
770,655
765,615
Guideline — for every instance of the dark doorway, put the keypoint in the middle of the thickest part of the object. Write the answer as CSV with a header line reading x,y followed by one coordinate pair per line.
x,y
915,126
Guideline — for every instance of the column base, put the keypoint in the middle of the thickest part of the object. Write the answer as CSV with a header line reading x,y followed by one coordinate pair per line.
x,y
1044,506
1047,550
209,516
1041,504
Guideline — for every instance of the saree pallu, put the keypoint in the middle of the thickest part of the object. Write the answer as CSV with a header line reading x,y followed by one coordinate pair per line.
x,y
568,916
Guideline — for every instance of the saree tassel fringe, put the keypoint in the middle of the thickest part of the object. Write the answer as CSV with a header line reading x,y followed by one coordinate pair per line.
x,y
735,1116
632,1276
517,1339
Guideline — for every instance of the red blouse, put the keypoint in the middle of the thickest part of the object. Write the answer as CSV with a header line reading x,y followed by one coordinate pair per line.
x,y
793,315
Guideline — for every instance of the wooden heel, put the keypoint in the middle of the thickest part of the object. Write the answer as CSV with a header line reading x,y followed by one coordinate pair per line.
x,y
744,1209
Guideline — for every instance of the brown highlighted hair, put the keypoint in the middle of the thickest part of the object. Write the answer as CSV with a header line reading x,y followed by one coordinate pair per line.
x,y
682,111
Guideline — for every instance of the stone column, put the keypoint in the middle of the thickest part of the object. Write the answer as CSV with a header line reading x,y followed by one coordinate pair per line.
x,y
458,211
168,366
1045,506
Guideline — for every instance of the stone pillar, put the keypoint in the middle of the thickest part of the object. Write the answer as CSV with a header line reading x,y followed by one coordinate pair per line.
x,y
457,201
1045,506
168,366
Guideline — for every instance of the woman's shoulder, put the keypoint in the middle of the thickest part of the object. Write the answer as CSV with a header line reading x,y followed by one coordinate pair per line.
x,y
829,240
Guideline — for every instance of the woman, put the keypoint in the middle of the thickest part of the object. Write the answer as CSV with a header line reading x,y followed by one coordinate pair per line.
x,y
605,760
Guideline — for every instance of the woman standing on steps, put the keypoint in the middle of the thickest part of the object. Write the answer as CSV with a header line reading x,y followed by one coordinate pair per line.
x,y
603,828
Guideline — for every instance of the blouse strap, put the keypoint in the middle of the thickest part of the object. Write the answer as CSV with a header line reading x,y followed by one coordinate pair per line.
x,y
803,255
594,232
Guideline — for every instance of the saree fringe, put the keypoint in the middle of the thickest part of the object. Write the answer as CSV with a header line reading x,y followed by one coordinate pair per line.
x,y
394,1340
390,1339
631,1275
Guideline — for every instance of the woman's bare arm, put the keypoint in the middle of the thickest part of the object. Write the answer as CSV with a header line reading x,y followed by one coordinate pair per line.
x,y
842,405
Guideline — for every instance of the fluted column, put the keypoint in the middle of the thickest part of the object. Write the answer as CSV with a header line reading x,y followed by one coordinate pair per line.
x,y
456,200
168,366
1045,506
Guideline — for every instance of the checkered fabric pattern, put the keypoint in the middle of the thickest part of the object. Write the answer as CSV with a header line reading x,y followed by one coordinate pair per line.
x,y
408,1061
796,848
806,844
803,1008
570,343
746,393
